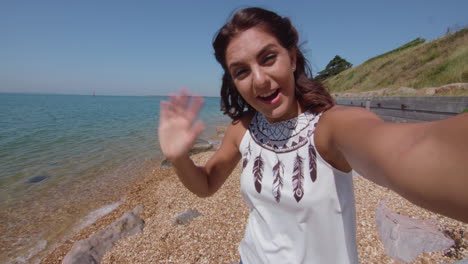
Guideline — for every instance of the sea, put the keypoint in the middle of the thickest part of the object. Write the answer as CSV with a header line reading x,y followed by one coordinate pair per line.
x,y
66,160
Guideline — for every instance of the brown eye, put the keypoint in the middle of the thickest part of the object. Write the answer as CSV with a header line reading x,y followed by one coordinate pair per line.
x,y
238,73
269,58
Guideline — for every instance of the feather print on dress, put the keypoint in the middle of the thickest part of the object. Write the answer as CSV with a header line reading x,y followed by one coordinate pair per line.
x,y
278,171
312,163
298,178
258,172
246,157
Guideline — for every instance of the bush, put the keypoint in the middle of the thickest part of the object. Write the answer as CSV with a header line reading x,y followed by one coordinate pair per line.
x,y
464,76
335,66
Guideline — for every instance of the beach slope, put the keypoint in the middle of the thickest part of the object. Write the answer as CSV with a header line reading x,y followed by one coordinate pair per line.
x,y
214,236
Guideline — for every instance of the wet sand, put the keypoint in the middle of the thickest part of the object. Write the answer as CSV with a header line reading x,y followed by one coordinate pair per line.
x,y
214,236
55,209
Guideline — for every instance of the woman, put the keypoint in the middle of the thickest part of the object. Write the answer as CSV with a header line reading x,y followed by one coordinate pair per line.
x,y
298,149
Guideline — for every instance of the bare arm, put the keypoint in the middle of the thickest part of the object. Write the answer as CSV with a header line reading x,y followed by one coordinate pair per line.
x,y
177,133
427,163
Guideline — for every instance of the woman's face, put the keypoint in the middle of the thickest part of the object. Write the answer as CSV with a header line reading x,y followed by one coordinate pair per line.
x,y
263,73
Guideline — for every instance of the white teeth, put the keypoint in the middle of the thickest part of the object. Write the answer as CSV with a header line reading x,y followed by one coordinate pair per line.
x,y
268,94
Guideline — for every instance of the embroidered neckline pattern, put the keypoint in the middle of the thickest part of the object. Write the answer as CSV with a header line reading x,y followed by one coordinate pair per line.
x,y
284,136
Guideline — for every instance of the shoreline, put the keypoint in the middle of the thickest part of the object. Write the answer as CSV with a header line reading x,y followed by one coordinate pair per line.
x,y
37,224
60,167
149,192
214,236
130,198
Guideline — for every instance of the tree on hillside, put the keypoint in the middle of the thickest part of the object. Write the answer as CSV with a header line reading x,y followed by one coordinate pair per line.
x,y
335,66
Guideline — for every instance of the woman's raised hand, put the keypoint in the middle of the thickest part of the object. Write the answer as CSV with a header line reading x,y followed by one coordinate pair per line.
x,y
178,128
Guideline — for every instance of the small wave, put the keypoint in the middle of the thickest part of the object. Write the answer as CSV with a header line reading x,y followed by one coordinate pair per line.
x,y
96,214
40,246
38,249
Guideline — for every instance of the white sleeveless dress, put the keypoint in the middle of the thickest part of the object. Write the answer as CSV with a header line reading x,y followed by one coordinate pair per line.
x,y
301,208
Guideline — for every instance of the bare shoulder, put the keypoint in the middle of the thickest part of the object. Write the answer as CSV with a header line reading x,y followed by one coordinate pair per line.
x,y
339,116
335,123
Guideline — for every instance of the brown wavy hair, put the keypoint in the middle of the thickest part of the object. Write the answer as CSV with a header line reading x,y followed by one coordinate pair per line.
x,y
310,93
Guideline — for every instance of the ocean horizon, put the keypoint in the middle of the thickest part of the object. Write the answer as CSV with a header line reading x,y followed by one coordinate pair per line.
x,y
93,94
67,159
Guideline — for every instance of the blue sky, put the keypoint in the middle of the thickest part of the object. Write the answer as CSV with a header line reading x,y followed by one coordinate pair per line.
x,y
156,47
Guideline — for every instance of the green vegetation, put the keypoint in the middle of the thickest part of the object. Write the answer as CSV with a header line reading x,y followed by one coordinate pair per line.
x,y
465,111
334,67
417,64
410,44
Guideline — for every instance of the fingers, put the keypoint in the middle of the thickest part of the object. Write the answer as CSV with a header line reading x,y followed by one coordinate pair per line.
x,y
173,107
181,100
198,127
195,106
164,111
184,104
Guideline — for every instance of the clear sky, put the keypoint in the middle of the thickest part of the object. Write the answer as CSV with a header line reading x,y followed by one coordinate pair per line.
x,y
155,47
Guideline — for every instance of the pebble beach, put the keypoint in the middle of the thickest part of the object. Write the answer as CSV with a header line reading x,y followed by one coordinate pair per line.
x,y
213,237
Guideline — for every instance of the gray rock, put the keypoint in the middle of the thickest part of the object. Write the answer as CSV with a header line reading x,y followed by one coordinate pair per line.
x,y
37,179
220,131
186,217
165,164
93,248
405,238
201,145
216,144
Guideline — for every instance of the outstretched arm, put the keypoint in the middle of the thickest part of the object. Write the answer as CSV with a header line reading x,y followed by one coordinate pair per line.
x,y
178,130
427,163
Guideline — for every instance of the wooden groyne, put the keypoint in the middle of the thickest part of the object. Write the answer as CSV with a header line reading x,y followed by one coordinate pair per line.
x,y
409,109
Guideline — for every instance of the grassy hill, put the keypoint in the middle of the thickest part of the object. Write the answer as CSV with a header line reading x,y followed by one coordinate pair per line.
x,y
417,64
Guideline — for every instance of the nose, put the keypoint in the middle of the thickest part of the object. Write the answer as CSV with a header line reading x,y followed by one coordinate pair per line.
x,y
259,79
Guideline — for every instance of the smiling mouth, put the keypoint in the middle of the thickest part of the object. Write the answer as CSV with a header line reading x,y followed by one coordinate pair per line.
x,y
269,97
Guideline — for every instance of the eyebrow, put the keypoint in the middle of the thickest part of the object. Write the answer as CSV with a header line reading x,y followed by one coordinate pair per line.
x,y
263,50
